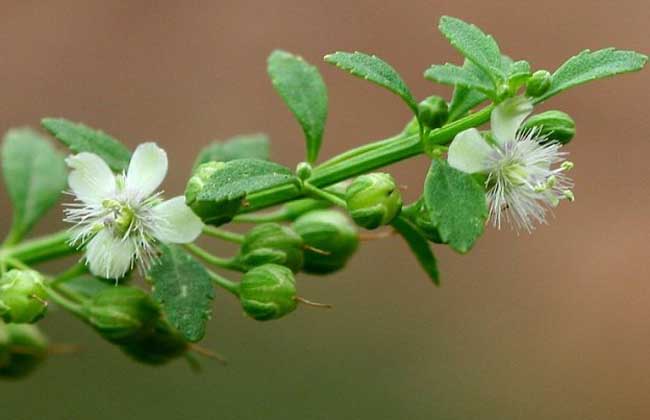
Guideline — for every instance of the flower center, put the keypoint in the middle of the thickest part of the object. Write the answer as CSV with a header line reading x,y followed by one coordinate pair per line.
x,y
121,218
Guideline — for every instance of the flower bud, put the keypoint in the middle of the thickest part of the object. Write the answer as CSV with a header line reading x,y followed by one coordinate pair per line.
x,y
303,170
272,243
330,240
22,349
120,313
210,211
373,200
433,112
422,221
159,343
538,83
268,292
552,125
22,296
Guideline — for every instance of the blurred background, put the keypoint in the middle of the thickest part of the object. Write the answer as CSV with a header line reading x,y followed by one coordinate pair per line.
x,y
550,325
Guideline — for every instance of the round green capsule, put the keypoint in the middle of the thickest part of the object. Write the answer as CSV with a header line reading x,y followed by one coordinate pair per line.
x,y
120,313
373,200
552,126
268,292
433,112
272,243
157,344
330,240
22,348
22,296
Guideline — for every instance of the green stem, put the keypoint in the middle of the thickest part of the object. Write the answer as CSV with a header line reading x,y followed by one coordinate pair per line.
x,y
223,282
223,234
64,302
367,158
13,237
310,189
280,215
41,249
228,263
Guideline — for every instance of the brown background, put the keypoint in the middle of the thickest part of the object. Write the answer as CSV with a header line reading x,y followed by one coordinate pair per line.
x,y
550,325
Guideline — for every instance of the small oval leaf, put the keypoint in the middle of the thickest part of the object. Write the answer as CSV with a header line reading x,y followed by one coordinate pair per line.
x,y
302,88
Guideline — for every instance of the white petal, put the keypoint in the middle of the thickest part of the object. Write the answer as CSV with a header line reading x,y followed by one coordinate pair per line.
x,y
175,222
108,256
508,116
469,152
147,170
91,179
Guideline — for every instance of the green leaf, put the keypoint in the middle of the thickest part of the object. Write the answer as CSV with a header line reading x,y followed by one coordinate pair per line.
x,y
464,98
241,177
80,138
375,70
456,203
303,90
450,74
474,44
183,287
593,65
420,247
35,175
251,146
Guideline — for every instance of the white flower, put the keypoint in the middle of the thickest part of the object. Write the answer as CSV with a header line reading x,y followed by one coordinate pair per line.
x,y
521,185
119,218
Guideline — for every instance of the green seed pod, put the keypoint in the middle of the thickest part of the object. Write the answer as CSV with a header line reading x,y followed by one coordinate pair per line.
x,y
120,313
433,112
158,344
22,349
552,125
272,243
22,297
373,200
333,238
268,292
210,211
538,83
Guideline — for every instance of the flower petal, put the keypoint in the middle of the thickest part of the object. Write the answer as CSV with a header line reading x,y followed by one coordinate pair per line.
x,y
108,256
91,179
469,152
175,222
147,170
507,117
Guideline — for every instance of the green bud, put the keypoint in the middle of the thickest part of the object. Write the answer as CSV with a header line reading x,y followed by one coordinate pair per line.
x,y
331,237
159,343
553,125
433,112
422,220
373,200
120,313
22,349
210,211
538,83
268,292
272,243
303,170
22,297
